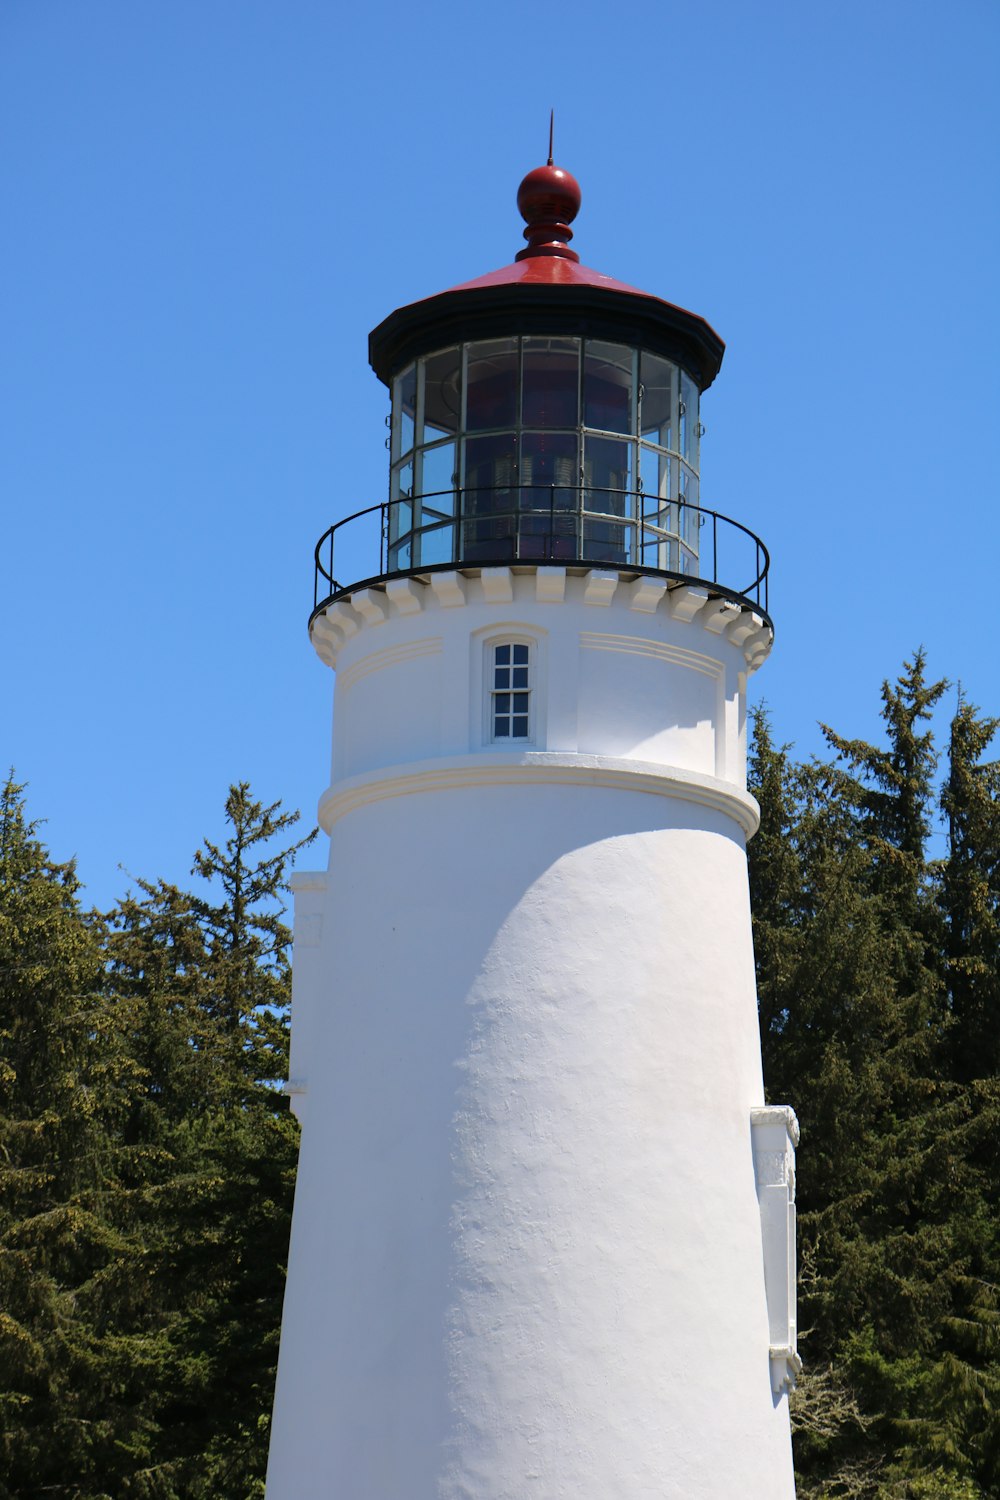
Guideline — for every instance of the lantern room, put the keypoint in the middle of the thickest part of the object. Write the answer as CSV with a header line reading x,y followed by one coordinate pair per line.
x,y
546,414
537,448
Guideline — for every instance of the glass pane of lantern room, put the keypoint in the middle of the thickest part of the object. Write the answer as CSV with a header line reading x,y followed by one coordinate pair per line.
x,y
401,515
404,411
491,385
437,505
438,479
607,473
607,387
489,498
607,469
654,475
549,495
490,465
442,374
689,420
658,405
550,392
689,521
549,460
658,512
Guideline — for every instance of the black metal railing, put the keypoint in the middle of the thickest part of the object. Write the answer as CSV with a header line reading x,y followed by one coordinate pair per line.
x,y
528,524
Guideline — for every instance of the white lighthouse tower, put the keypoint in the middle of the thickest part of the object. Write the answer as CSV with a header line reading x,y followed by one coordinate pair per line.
x,y
543,1239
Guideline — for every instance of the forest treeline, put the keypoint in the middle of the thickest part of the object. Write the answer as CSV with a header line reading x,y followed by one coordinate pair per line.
x,y
878,971
147,1156
147,1162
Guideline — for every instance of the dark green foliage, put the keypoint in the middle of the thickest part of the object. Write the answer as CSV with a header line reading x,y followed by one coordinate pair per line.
x,y
67,1344
970,892
147,1170
877,980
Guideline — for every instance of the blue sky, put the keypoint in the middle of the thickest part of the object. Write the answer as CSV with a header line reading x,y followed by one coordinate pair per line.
x,y
208,205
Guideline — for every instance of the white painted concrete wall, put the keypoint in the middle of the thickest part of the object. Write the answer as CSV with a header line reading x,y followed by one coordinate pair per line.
x,y
526,1255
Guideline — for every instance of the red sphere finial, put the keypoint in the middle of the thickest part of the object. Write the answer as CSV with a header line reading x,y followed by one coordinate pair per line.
x,y
549,201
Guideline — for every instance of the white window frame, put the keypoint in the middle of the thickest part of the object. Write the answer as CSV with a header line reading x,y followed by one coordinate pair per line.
x,y
484,644
513,645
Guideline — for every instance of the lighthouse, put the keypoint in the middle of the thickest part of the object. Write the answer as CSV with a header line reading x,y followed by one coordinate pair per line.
x,y
543,1235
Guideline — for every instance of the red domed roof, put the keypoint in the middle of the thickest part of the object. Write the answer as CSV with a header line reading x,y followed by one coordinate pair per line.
x,y
546,290
547,270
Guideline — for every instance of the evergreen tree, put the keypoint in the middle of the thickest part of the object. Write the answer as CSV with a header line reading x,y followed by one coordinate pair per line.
x,y
890,791
68,1346
971,895
840,1044
146,1169
776,878
961,1391
854,1010
240,915
202,983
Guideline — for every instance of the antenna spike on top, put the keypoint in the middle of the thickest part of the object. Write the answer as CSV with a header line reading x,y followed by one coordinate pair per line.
x,y
552,126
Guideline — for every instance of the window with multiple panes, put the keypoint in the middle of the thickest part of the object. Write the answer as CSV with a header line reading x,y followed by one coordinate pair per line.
x,y
510,693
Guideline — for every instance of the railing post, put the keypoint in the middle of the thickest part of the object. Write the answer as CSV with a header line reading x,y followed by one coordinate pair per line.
x,y
767,587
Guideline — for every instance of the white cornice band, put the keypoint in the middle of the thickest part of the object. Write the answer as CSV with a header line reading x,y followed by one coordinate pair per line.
x,y
372,606
535,767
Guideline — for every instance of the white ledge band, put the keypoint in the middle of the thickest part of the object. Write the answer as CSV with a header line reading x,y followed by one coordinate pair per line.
x,y
539,767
